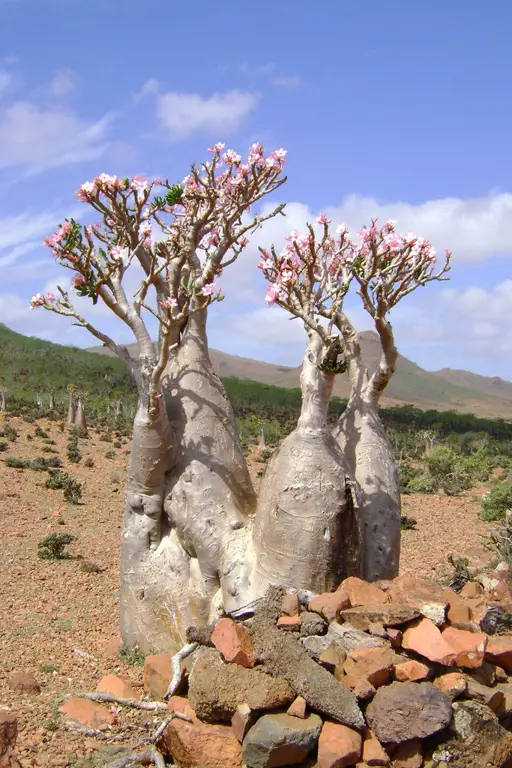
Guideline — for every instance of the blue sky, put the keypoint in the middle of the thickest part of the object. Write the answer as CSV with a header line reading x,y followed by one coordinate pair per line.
x,y
386,109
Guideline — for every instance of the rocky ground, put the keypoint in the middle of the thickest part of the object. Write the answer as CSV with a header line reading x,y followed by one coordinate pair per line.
x,y
59,619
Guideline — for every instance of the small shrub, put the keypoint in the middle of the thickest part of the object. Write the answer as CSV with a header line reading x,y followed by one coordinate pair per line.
x,y
9,432
49,441
408,523
497,502
110,455
53,547
89,463
133,657
106,438
3,446
41,433
117,444
30,437
62,481
461,574
48,449
39,465
62,427
73,451
48,669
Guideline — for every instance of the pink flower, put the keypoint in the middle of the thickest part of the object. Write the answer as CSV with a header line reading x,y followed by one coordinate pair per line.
x,y
342,230
86,191
322,218
145,232
107,182
171,302
50,298
37,301
116,252
265,264
255,153
243,242
217,148
207,289
230,157
273,292
78,280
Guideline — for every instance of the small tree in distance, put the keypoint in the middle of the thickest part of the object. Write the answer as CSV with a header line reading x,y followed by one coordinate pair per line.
x,y
195,541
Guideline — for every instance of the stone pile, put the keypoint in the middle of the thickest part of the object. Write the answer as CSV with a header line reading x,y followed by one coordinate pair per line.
x,y
403,673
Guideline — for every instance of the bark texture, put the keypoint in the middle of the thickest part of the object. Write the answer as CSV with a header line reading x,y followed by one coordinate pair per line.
x,y
306,531
369,454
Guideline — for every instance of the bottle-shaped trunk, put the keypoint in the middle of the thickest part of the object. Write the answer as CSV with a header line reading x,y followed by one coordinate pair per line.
x,y
306,531
51,400
71,409
2,401
80,422
369,454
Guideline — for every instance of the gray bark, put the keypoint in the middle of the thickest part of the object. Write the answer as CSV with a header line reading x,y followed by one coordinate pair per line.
x,y
80,415
306,532
71,409
51,400
369,454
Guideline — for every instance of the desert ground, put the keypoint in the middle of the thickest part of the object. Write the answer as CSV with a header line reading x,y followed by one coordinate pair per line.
x,y
60,622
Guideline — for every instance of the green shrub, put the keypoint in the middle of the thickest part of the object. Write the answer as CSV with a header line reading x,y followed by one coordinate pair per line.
x,y
134,657
39,465
73,451
53,547
89,463
9,432
62,481
500,538
41,433
110,455
408,523
497,501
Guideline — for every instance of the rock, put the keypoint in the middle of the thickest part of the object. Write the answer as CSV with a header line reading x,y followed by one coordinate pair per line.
x,y
290,605
472,589
243,719
469,647
499,651
387,614
233,642
216,689
453,684
408,755
477,739
500,674
378,630
362,687
351,638
373,752
486,674
198,744
426,639
117,686
491,697
24,682
8,731
403,711
496,619
329,604
289,623
411,670
157,674
395,637
427,597
338,746
279,739
312,624
332,657
360,592
373,664
89,713
297,708
459,615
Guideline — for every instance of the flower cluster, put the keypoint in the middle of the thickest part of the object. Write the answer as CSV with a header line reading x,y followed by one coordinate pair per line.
x,y
42,300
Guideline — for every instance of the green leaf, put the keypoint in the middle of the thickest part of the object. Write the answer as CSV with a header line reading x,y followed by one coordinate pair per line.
x,y
174,194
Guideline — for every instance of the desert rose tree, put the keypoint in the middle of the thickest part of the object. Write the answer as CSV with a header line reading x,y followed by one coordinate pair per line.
x,y
185,543
313,522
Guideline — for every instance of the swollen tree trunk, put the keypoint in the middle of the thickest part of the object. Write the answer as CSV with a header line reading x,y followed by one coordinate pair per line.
x,y
306,532
2,401
80,416
209,495
369,454
71,409
51,400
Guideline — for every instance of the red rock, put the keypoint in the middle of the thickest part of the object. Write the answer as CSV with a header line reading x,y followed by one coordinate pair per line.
x,y
377,630
338,746
491,697
360,592
112,647
411,670
426,639
200,744
373,664
499,651
408,755
395,637
427,597
329,604
233,642
459,614
8,731
157,674
453,684
472,589
24,682
289,623
297,708
290,605
243,719
89,713
478,608
373,751
117,686
468,646
362,687
501,675
332,657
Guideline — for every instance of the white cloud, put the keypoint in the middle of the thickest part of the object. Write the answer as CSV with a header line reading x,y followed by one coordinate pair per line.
x,y
288,81
62,82
40,138
183,114
6,80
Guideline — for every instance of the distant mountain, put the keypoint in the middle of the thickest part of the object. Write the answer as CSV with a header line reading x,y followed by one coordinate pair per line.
x,y
411,384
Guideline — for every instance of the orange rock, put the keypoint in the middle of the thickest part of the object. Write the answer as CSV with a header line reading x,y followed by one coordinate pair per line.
x,y
157,674
117,686
499,651
333,656
289,623
89,713
360,592
468,646
424,595
362,687
373,751
338,746
453,684
373,664
233,642
297,708
411,670
24,682
112,647
459,614
290,605
329,604
478,608
394,636
197,743
408,755
426,639
472,589
243,719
